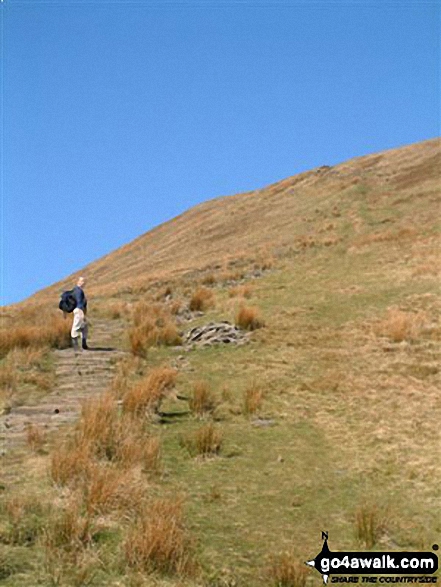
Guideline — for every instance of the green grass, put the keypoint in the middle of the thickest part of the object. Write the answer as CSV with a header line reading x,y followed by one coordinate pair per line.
x,y
347,418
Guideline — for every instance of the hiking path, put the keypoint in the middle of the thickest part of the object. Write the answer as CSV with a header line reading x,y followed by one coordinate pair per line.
x,y
77,377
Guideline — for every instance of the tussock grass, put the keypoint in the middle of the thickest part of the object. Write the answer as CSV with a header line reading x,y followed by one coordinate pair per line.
x,y
285,571
252,398
201,300
157,540
127,369
24,518
146,395
102,433
35,328
202,400
175,307
107,488
241,291
115,310
248,318
153,326
370,524
99,426
206,441
24,372
69,463
265,262
9,378
399,325
69,529
135,448
209,279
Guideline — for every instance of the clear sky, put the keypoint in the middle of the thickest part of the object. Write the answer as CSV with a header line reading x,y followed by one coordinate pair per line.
x,y
118,115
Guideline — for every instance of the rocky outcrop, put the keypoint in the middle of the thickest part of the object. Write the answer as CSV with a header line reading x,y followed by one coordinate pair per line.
x,y
215,333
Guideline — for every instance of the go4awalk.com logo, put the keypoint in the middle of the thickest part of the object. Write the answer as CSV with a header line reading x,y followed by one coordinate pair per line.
x,y
403,564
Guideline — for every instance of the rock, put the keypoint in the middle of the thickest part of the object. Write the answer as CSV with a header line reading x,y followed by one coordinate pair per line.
x,y
262,422
215,333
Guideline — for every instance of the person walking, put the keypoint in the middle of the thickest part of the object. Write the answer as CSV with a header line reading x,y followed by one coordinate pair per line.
x,y
79,326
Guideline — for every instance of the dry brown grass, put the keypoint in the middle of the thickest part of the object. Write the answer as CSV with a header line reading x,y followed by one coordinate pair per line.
x,y
36,329
175,307
202,400
285,571
370,524
252,398
70,463
265,262
24,516
136,448
126,370
201,300
232,276
241,291
9,378
248,318
206,441
424,269
69,529
99,426
157,541
399,325
115,310
209,279
35,437
24,371
107,488
405,232
153,326
146,395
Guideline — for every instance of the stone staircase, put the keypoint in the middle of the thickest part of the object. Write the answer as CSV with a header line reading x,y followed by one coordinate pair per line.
x,y
78,377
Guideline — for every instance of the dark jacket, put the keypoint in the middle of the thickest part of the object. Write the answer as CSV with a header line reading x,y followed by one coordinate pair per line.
x,y
80,297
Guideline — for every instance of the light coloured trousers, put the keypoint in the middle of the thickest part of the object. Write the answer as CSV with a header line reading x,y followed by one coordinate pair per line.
x,y
79,325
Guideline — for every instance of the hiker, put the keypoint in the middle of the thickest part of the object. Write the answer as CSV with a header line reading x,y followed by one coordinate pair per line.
x,y
79,325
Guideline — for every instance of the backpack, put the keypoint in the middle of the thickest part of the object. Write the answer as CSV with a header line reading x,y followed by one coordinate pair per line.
x,y
68,301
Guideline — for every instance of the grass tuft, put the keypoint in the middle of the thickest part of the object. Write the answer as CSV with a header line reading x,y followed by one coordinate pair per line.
x,y
153,326
285,571
69,463
399,326
157,541
252,399
201,300
206,441
202,400
24,516
248,318
370,524
146,394
241,291
35,329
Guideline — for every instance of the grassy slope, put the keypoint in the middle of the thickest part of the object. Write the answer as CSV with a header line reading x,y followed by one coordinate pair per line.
x,y
399,182
355,415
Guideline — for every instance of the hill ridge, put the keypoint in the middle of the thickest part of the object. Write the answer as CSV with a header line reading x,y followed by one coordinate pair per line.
x,y
259,219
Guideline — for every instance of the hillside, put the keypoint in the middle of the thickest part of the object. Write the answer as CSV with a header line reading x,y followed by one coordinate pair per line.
x,y
152,462
355,195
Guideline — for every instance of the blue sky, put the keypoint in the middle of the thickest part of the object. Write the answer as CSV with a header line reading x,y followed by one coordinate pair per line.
x,y
119,115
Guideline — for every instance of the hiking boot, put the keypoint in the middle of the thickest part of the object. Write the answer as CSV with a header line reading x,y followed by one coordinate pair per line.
x,y
75,345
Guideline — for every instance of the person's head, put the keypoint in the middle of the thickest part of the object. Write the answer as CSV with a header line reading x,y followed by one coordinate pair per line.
x,y
81,282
